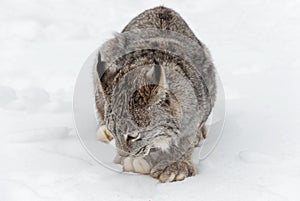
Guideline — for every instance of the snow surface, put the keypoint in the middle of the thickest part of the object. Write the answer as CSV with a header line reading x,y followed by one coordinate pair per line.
x,y
255,46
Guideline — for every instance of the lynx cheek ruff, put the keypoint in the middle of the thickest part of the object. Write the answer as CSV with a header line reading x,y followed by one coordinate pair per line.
x,y
149,100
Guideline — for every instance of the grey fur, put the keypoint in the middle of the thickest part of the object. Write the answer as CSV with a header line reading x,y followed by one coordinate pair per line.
x,y
155,88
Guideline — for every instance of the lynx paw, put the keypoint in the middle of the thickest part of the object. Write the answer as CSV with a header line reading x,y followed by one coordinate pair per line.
x,y
167,171
104,135
138,165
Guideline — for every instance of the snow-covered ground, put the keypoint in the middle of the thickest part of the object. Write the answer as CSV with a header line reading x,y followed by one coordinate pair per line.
x,y
255,45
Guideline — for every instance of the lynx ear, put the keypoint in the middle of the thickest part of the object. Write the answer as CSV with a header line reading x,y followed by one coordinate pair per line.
x,y
157,75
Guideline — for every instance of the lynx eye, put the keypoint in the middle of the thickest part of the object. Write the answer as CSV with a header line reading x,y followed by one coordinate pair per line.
x,y
133,137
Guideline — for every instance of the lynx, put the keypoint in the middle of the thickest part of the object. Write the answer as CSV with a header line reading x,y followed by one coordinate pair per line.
x,y
154,90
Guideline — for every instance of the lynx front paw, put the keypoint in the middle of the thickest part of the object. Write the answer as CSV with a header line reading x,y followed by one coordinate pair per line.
x,y
138,165
167,171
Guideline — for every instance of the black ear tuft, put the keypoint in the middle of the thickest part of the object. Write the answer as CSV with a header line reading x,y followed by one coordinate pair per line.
x,y
100,67
156,73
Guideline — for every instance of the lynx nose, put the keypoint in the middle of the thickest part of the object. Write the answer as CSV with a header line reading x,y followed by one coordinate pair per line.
x,y
128,145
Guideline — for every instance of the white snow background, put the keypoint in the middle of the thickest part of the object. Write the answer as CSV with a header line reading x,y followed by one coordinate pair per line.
x,y
255,45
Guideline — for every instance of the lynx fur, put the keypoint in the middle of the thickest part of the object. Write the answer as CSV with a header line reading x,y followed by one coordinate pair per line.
x,y
154,90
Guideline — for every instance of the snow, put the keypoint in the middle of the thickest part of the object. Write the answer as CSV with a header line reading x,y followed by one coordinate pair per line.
x,y
255,46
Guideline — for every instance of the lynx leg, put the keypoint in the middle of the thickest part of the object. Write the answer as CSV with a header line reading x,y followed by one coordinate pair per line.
x,y
104,135
174,170
167,171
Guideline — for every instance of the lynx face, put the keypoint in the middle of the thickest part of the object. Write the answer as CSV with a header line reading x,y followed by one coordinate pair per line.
x,y
142,114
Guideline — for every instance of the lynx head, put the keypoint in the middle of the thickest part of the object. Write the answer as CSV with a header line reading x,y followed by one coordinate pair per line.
x,y
140,110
